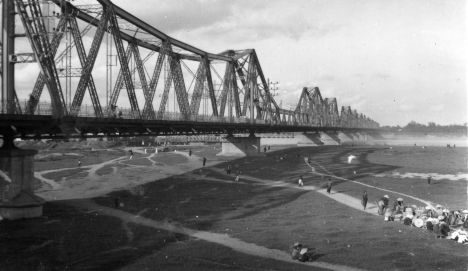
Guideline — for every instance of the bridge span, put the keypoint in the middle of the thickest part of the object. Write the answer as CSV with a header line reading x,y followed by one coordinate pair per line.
x,y
108,73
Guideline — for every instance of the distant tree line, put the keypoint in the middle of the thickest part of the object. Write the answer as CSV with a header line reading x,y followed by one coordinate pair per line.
x,y
430,128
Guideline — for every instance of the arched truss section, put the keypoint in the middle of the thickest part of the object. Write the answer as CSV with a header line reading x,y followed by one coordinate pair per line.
x,y
150,75
332,116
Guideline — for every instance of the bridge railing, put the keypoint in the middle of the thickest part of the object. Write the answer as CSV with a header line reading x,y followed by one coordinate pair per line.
x,y
45,108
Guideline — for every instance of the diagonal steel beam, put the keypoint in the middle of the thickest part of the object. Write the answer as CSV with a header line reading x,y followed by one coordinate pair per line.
x,y
36,32
119,82
41,80
123,59
89,64
179,86
158,34
209,80
198,89
82,56
148,112
226,88
235,90
165,95
142,75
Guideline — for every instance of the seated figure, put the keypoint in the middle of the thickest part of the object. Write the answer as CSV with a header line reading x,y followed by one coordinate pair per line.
x,y
301,253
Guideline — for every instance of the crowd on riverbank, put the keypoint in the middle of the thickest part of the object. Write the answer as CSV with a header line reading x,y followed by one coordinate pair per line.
x,y
444,223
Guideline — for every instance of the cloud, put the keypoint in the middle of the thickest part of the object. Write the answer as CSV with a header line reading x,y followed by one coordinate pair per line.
x,y
327,77
179,15
231,20
380,75
438,108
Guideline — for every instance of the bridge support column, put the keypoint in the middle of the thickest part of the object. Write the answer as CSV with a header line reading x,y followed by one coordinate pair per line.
x,y
346,138
17,199
308,139
241,146
330,138
357,138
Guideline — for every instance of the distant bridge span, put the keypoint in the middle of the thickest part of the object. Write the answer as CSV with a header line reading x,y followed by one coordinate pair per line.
x,y
175,88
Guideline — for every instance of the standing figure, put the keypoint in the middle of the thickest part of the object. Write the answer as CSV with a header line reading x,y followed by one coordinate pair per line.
x,y
264,149
204,161
364,199
190,152
429,179
329,186
383,204
398,206
300,183
228,170
131,154
79,163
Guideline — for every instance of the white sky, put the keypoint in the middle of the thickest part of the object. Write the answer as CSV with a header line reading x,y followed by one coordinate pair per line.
x,y
394,61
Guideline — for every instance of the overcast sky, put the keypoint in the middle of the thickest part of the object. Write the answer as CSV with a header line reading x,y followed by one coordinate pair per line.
x,y
395,61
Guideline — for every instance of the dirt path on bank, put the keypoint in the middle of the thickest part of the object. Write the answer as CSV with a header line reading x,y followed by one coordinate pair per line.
x,y
221,239
92,184
330,174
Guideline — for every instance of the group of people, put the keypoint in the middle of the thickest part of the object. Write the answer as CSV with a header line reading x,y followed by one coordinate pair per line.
x,y
237,174
300,183
444,223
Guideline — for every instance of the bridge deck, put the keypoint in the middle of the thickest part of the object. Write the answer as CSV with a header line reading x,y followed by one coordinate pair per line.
x,y
36,126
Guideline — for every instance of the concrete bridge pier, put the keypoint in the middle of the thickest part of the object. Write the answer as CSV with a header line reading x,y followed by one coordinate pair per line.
x,y
357,138
241,146
330,138
346,138
308,139
17,199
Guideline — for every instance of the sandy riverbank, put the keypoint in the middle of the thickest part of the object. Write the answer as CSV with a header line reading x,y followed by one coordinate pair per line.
x,y
175,223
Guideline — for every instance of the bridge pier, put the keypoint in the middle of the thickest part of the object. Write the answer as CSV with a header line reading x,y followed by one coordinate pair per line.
x,y
308,139
346,137
240,146
360,138
17,199
330,138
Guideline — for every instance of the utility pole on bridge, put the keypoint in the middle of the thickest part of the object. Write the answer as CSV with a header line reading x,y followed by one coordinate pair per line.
x,y
8,50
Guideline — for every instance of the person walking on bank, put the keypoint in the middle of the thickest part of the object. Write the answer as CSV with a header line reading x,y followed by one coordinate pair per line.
x,y
364,199
204,161
429,179
329,186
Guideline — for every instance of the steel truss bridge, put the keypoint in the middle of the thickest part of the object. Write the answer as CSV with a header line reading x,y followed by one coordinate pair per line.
x,y
154,84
